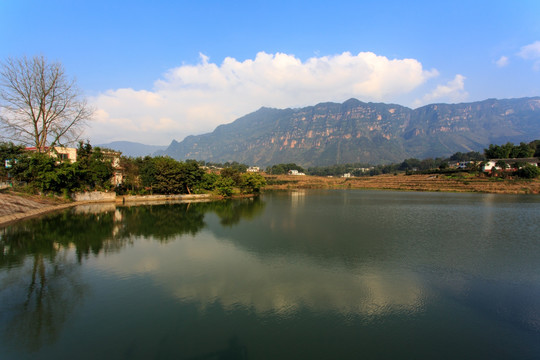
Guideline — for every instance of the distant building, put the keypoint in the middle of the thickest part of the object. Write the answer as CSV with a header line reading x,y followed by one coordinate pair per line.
x,y
253,169
510,163
347,175
295,172
118,171
365,169
60,152
65,153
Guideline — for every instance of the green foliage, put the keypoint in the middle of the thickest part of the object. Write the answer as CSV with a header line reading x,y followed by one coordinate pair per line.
x,y
130,170
528,172
231,173
410,164
192,174
509,151
8,155
443,166
470,156
536,146
208,182
168,176
147,171
94,170
281,169
501,164
225,186
43,174
252,183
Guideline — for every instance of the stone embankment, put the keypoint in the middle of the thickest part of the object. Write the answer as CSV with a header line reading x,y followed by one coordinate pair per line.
x,y
16,207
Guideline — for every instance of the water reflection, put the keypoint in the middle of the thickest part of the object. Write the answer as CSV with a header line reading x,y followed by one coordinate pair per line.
x,y
285,269
40,259
38,297
234,351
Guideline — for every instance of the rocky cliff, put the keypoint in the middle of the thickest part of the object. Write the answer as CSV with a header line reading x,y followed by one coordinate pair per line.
x,y
352,132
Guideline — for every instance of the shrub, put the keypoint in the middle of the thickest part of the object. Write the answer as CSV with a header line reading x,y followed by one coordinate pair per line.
x,y
528,172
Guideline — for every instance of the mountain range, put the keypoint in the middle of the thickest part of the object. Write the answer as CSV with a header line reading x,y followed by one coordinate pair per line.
x,y
359,132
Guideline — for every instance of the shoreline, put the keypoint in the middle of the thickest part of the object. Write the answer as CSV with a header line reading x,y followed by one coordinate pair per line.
x,y
16,207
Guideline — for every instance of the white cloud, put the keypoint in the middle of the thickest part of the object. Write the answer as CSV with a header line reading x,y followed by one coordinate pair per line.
x,y
453,91
531,52
193,99
502,62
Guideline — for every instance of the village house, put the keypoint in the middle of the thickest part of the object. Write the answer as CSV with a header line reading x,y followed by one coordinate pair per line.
x,y
296,173
253,169
118,171
511,164
66,153
60,152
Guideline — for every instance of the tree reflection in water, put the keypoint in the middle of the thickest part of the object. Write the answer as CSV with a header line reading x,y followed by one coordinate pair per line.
x,y
40,258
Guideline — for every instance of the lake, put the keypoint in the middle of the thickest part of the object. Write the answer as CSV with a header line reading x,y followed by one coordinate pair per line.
x,y
318,274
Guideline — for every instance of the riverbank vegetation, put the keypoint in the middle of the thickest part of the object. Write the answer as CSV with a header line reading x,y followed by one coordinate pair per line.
x,y
39,172
48,173
470,163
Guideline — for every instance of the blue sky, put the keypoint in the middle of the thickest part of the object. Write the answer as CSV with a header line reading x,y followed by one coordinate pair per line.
x,y
161,70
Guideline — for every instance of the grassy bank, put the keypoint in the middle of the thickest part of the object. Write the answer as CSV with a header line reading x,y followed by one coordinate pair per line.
x,y
462,183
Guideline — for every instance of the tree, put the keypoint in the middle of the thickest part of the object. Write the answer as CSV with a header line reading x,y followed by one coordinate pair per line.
x,y
528,172
39,105
225,186
168,176
252,182
9,153
192,174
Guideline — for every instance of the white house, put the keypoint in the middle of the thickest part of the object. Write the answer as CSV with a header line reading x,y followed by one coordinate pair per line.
x,y
510,163
63,153
295,172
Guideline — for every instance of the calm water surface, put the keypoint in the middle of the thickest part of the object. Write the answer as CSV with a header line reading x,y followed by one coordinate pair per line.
x,y
293,275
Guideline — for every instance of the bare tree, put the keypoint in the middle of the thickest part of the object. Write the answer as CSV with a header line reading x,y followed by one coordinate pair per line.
x,y
39,105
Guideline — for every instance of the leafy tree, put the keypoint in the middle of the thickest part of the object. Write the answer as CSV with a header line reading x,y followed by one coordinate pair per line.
x,y
528,172
410,164
130,168
168,176
501,164
94,171
192,174
147,171
225,186
536,146
470,156
523,150
508,150
252,182
231,173
208,182
9,153
280,169
44,174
